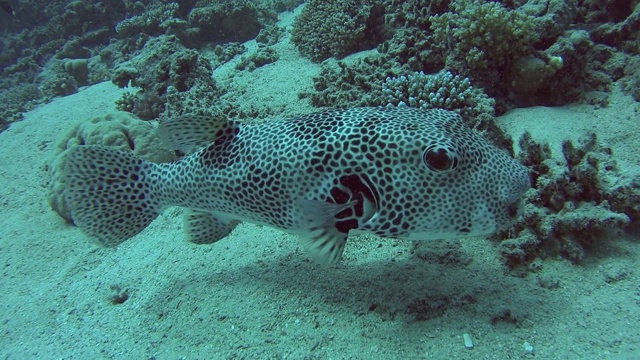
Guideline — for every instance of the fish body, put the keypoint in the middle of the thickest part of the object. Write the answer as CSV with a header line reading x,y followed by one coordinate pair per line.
x,y
395,172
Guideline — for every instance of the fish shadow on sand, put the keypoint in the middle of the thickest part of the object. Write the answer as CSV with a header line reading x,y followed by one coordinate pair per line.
x,y
410,290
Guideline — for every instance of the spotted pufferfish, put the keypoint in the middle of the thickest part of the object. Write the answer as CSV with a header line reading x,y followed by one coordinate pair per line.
x,y
395,172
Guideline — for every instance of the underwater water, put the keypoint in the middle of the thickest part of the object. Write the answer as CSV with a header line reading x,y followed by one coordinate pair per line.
x,y
553,85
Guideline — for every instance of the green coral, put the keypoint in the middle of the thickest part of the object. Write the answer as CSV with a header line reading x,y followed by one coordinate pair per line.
x,y
336,28
483,38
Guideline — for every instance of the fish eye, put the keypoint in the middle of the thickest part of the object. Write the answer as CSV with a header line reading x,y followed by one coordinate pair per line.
x,y
439,158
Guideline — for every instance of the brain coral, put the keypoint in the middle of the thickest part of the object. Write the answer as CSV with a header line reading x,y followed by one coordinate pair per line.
x,y
327,28
120,130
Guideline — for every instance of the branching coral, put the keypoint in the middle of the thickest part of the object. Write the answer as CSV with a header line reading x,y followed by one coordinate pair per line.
x,y
574,201
442,90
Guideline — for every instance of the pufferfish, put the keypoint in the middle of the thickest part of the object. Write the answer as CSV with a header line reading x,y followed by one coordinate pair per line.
x,y
402,173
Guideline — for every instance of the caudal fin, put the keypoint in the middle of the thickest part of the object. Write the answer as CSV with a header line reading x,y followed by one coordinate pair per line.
x,y
109,192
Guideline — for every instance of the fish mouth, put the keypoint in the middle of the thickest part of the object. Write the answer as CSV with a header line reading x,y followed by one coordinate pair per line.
x,y
515,204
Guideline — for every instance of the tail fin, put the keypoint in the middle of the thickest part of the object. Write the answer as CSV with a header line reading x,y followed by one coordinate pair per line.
x,y
109,192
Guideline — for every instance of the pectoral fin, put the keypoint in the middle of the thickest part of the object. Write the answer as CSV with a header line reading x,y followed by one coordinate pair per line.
x,y
325,245
319,236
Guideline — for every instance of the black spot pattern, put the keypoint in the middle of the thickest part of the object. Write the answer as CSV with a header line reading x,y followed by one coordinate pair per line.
x,y
260,172
110,193
205,227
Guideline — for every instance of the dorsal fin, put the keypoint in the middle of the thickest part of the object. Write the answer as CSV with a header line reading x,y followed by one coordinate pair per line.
x,y
188,133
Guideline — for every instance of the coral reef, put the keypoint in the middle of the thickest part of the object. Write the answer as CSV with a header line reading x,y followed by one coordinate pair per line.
x,y
179,79
521,53
631,83
261,57
78,69
574,202
567,69
152,22
482,38
33,47
270,35
103,35
55,81
410,49
442,90
530,73
14,102
337,28
358,83
224,21
120,130
266,53
226,52
618,22
414,50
